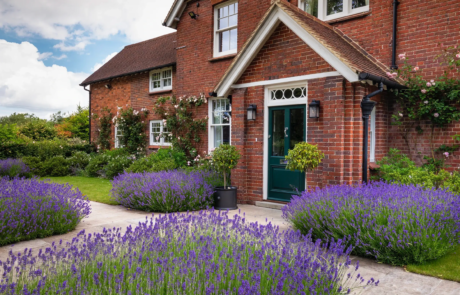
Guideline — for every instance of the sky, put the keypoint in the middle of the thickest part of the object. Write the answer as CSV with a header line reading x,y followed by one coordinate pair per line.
x,y
48,47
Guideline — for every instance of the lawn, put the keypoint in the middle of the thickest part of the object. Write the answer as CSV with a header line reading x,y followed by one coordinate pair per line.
x,y
446,267
97,189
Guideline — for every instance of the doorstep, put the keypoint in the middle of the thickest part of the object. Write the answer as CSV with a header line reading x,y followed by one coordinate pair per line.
x,y
270,205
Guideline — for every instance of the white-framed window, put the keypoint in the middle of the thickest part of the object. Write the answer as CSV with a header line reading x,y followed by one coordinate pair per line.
x,y
118,136
159,133
372,135
161,79
331,9
225,28
220,122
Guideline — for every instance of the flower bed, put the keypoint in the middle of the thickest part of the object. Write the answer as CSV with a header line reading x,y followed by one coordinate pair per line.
x,y
13,168
166,191
31,209
396,224
205,253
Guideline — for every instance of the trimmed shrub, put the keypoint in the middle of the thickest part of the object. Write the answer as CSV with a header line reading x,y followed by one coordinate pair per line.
x,y
43,149
14,168
78,162
162,160
96,165
167,191
188,254
117,166
395,224
56,166
31,209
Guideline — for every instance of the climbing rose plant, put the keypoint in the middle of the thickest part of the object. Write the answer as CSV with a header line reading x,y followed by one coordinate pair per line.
x,y
104,128
434,100
183,127
131,124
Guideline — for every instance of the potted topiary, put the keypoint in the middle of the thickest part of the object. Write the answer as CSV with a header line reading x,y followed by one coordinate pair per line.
x,y
304,157
224,159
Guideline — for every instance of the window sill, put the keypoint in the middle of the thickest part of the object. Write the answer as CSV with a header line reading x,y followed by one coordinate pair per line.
x,y
373,166
348,17
160,91
222,57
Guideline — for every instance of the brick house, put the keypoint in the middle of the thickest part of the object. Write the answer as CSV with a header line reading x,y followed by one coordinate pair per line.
x,y
279,56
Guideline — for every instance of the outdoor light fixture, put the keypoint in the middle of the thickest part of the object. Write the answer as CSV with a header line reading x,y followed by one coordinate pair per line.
x,y
252,111
193,15
314,109
108,86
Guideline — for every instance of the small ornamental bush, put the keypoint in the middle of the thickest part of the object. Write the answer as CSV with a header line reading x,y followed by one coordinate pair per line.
x,y
14,168
304,157
225,158
162,160
167,191
56,166
117,166
395,224
30,209
96,165
187,254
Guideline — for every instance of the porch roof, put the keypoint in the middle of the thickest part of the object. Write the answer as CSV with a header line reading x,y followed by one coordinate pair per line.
x,y
341,52
143,56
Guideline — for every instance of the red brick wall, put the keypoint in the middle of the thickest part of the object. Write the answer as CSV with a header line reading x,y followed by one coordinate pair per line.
x,y
284,55
132,91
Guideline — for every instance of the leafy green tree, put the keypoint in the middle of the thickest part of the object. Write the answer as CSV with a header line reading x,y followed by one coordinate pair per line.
x,y
225,158
304,157
38,130
76,125
18,119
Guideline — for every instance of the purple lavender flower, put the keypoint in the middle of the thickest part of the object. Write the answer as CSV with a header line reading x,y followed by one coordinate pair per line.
x,y
390,222
14,168
167,191
192,253
31,209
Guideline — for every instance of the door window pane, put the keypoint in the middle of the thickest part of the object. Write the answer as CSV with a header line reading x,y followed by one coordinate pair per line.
x,y
359,3
297,128
334,6
278,133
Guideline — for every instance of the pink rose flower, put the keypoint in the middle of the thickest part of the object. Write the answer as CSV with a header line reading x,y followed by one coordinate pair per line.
x,y
428,84
436,115
416,68
402,56
458,55
423,90
446,154
401,115
426,101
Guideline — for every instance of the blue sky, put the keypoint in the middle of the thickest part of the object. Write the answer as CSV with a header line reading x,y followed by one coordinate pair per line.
x,y
47,47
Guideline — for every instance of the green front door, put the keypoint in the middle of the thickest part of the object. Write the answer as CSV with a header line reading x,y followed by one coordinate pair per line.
x,y
286,129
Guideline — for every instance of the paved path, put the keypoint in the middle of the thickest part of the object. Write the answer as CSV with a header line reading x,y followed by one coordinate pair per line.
x,y
393,280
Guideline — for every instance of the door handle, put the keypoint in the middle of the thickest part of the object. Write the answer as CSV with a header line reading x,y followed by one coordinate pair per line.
x,y
285,131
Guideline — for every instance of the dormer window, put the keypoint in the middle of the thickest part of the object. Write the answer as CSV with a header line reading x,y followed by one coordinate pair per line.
x,y
161,79
331,9
225,28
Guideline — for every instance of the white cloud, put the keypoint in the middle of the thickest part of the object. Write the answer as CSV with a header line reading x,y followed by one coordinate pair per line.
x,y
27,85
45,55
76,23
62,56
98,65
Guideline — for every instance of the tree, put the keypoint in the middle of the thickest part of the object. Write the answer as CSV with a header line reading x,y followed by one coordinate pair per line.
x,y
304,157
225,158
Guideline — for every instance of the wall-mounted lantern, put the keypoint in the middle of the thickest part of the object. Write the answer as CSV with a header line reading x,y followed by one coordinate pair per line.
x,y
193,15
314,109
108,86
252,112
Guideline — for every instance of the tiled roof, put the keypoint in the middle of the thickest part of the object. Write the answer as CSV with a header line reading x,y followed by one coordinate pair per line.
x,y
135,58
345,49
348,51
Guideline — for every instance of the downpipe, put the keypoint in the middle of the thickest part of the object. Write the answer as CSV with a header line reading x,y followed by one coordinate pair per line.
x,y
89,112
367,106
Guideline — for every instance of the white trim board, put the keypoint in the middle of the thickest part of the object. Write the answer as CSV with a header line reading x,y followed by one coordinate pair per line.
x,y
286,80
276,16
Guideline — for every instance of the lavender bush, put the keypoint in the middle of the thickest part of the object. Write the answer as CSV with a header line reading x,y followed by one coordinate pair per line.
x,y
167,191
31,209
396,224
14,168
205,253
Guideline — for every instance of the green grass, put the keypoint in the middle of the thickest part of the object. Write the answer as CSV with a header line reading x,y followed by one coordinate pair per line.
x,y
97,189
446,267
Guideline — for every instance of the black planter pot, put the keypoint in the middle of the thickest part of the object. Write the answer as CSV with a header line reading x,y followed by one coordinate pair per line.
x,y
225,198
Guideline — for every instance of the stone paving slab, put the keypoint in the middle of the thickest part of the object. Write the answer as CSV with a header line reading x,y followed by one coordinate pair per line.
x,y
393,280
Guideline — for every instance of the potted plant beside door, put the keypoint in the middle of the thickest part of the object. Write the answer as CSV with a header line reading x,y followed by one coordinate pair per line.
x,y
225,158
304,157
